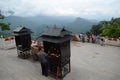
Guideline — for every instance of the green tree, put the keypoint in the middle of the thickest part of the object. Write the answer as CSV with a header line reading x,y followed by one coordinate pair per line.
x,y
112,29
3,26
96,29
107,28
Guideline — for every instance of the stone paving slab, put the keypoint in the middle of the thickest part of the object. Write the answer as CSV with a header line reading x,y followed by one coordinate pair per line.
x,y
88,62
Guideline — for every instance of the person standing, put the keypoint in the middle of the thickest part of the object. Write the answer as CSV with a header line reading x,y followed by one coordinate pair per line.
x,y
93,38
97,39
102,40
83,38
43,59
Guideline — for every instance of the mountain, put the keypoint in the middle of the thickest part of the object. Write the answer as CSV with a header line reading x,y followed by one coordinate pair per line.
x,y
81,25
38,23
16,21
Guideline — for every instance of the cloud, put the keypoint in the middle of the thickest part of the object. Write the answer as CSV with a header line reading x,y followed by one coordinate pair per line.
x,y
82,8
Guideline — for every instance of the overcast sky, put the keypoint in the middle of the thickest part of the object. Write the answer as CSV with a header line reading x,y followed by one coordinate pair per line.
x,y
90,9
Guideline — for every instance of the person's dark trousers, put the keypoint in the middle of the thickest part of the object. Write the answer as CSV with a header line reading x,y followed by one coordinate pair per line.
x,y
44,69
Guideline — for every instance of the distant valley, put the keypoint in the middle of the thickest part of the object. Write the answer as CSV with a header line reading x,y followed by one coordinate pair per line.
x,y
38,23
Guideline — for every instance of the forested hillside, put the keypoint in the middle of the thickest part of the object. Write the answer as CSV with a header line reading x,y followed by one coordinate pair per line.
x,y
107,28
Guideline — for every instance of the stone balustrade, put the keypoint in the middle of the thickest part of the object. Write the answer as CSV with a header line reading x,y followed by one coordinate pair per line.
x,y
7,43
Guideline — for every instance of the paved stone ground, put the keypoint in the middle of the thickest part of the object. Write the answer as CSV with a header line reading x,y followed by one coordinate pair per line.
x,y
88,62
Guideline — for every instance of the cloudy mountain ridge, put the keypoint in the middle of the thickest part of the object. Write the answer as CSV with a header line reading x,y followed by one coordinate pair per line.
x,y
38,23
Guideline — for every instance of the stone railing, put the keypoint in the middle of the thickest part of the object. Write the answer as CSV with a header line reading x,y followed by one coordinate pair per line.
x,y
7,43
112,41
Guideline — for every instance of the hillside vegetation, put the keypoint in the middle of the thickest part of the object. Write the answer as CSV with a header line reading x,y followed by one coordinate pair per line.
x,y
3,26
107,28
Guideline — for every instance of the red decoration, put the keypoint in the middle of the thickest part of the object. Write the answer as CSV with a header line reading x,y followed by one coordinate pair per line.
x,y
109,38
6,39
115,39
11,38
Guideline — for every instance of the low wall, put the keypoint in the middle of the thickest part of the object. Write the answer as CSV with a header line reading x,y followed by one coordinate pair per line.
x,y
112,41
7,43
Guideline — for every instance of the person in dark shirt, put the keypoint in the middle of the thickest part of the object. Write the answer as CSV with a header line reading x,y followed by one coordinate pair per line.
x,y
44,62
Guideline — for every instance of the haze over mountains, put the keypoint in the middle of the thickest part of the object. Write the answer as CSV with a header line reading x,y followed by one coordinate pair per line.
x,y
39,23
